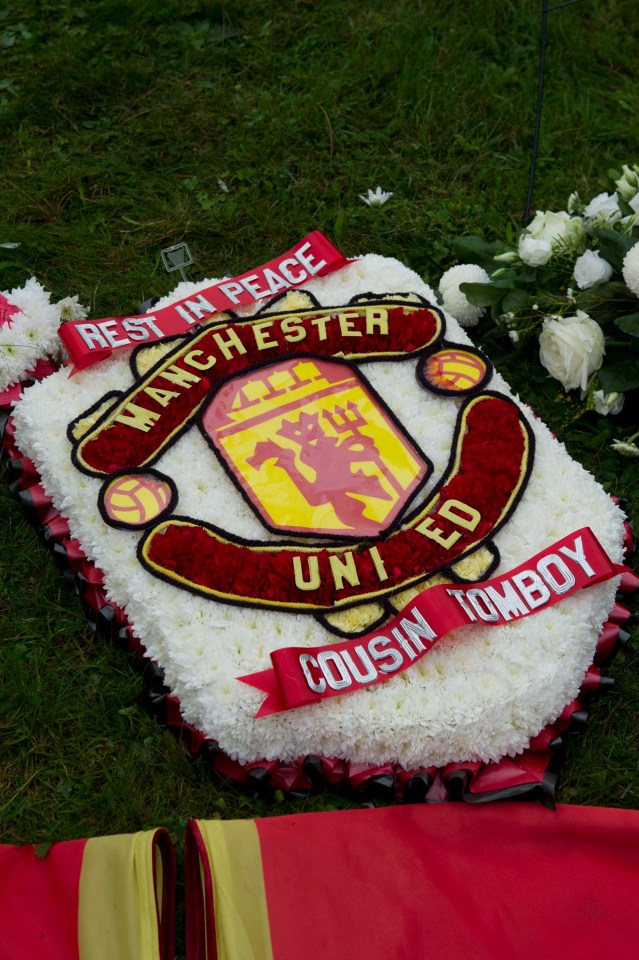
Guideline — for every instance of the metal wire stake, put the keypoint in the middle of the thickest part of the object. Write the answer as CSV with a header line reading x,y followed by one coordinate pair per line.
x,y
545,10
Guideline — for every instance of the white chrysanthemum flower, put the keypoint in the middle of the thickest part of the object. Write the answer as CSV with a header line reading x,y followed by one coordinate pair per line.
x,y
13,356
30,335
72,309
376,198
454,301
630,269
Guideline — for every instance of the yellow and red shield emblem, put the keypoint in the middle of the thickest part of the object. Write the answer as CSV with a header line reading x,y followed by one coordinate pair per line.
x,y
314,449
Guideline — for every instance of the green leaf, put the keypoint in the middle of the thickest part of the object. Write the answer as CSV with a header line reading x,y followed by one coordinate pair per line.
x,y
619,374
612,290
606,301
476,250
625,208
629,324
515,300
614,246
482,294
526,275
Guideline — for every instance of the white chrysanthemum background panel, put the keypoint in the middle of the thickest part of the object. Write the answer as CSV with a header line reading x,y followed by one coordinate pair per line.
x,y
481,693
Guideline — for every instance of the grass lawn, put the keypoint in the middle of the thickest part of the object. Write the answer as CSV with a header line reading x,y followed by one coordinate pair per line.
x,y
118,120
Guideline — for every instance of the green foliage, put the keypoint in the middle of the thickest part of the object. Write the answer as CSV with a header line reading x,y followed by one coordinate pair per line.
x,y
484,294
620,373
476,250
629,324
614,246
117,120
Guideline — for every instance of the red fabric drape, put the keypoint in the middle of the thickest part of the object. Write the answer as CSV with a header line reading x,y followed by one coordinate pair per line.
x,y
506,881
39,902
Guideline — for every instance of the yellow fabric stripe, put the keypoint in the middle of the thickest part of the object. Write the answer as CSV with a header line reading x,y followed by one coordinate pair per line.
x,y
241,915
206,920
118,913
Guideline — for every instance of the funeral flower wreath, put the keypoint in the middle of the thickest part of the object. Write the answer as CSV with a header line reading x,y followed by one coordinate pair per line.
x,y
483,691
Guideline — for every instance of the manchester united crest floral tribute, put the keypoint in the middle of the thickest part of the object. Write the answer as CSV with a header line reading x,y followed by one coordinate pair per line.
x,y
330,497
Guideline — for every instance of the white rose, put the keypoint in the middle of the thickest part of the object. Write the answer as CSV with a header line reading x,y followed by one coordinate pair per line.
x,y
608,403
630,269
604,208
547,231
591,268
535,253
454,301
628,184
556,227
571,349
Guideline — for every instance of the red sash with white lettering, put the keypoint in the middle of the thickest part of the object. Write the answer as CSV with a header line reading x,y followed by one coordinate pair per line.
x,y
89,342
304,675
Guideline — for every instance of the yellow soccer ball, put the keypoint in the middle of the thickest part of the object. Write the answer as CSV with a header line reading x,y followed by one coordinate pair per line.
x,y
455,370
134,500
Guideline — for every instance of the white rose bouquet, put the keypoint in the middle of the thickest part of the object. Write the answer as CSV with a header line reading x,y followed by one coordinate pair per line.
x,y
571,280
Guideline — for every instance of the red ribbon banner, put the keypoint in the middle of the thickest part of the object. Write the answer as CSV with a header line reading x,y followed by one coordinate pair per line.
x,y
89,342
304,675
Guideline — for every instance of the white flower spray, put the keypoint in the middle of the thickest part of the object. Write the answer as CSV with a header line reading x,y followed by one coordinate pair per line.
x,y
31,333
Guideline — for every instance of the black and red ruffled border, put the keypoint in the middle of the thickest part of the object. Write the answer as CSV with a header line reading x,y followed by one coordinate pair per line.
x,y
531,775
